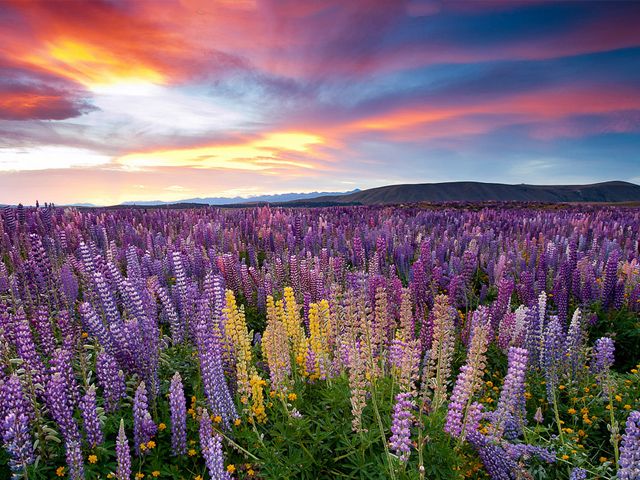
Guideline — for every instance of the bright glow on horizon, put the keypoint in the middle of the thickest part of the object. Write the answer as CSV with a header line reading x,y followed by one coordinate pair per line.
x,y
261,154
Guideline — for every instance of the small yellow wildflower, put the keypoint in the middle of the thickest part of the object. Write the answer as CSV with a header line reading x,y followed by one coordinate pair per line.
x,y
237,422
292,397
93,458
139,475
162,426
565,457
191,452
603,459
231,468
143,447
60,471
618,398
155,473
217,419
151,444
627,407
250,472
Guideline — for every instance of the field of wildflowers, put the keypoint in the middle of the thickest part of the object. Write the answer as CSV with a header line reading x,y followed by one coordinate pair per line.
x,y
496,342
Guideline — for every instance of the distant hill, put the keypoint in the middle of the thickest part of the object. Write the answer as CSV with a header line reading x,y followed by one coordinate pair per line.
x,y
275,198
606,192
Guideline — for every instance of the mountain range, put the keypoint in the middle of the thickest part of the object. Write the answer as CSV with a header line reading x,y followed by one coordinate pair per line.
x,y
275,198
606,192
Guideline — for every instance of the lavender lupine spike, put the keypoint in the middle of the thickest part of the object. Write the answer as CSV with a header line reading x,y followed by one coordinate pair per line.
x,y
92,427
111,379
95,327
14,399
211,446
144,427
578,473
213,379
468,381
602,356
178,416
74,460
552,356
574,346
123,455
26,348
60,407
17,441
62,362
176,325
629,462
400,441
511,405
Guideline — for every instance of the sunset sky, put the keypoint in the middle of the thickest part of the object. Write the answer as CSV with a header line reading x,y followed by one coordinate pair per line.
x,y
112,101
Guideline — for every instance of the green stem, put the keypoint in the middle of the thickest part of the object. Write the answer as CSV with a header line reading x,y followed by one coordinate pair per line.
x,y
614,424
557,416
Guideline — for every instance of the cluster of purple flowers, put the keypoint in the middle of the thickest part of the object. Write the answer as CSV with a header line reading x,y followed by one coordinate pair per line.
x,y
126,284
401,420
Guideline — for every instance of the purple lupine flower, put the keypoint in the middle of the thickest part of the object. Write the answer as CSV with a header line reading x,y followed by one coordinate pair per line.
x,y
400,441
74,460
95,327
468,381
602,356
602,360
574,346
610,279
61,362
69,284
60,407
511,405
211,368
17,441
26,348
92,427
143,425
552,357
176,325
578,473
629,462
13,399
123,455
499,465
44,330
522,452
111,380
177,403
211,446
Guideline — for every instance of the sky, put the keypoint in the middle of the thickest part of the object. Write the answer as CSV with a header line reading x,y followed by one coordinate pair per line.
x,y
110,101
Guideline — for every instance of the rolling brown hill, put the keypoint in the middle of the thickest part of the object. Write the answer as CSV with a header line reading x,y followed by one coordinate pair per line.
x,y
606,192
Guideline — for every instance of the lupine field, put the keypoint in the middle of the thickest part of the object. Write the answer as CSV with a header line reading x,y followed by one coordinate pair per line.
x,y
454,342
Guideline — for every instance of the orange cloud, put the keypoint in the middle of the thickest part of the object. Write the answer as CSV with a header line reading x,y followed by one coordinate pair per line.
x,y
92,66
274,150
